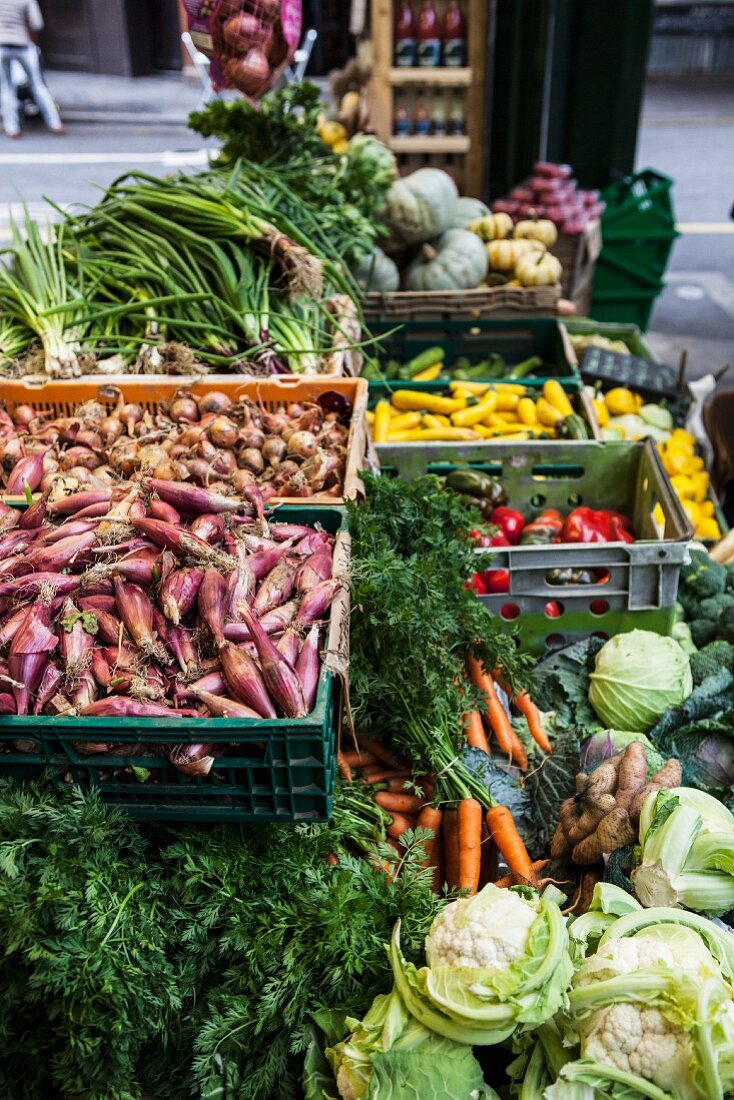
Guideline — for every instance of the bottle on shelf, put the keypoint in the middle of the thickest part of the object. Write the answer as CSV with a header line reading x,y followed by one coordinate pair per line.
x,y
454,36
401,119
405,36
457,118
429,36
421,120
438,116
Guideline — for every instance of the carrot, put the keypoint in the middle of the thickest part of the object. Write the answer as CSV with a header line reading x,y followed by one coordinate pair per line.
x,y
427,784
400,824
476,738
469,822
402,803
344,768
527,707
431,817
517,880
357,759
502,729
377,749
378,774
451,847
398,785
503,830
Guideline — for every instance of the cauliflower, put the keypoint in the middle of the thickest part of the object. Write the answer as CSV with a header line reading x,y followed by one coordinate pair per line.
x,y
639,1040
464,935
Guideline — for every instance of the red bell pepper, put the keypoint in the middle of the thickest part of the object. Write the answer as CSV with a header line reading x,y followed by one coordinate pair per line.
x,y
492,536
510,522
476,583
496,580
592,525
544,529
553,609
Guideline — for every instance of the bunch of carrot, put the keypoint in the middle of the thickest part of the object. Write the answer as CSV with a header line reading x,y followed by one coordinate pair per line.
x,y
466,833
496,720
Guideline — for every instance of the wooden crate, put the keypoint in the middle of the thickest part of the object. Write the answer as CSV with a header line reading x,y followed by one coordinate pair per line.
x,y
438,305
578,253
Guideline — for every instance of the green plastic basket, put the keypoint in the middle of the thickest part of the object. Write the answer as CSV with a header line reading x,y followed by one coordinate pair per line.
x,y
633,306
516,341
641,204
539,634
281,770
630,334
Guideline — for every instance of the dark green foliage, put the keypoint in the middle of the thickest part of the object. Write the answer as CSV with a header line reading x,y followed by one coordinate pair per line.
x,y
619,867
552,781
562,683
711,659
703,631
413,620
702,576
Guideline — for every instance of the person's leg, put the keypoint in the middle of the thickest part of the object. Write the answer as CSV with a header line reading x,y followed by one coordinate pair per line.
x,y
39,89
9,106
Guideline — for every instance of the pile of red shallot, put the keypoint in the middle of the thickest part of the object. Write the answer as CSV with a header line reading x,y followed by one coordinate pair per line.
x,y
161,600
297,450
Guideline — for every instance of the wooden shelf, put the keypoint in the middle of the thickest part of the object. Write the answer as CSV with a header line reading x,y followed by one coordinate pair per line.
x,y
439,78
416,144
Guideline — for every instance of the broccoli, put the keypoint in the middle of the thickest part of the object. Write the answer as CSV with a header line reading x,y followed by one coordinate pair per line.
x,y
709,660
703,631
716,608
729,577
702,576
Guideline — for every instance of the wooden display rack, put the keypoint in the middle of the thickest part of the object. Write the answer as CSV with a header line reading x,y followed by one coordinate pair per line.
x,y
462,155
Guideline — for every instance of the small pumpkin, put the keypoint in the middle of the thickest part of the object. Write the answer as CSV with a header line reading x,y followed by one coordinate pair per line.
x,y
503,255
377,272
421,206
541,230
456,261
492,227
467,211
538,269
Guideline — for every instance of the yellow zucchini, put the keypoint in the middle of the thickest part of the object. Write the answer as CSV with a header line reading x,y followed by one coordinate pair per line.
x,y
547,414
382,422
555,395
412,401
467,418
430,374
527,412
436,435
404,422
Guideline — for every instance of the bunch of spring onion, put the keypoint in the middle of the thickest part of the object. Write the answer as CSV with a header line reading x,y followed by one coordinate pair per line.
x,y
211,440
163,601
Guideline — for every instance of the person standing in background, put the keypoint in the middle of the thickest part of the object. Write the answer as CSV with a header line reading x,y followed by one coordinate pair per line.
x,y
19,20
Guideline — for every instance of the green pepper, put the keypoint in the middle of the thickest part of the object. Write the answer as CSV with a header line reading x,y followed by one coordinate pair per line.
x,y
476,483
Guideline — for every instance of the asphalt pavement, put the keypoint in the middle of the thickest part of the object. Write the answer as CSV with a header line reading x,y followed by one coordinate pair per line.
x,y
116,125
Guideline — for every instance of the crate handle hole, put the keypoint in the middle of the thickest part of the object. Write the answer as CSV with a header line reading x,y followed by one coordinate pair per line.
x,y
556,471
574,500
538,500
662,554
599,607
555,641
509,611
599,576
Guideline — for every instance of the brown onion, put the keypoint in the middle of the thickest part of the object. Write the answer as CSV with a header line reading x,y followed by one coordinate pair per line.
x,y
274,450
88,438
184,408
79,456
252,437
206,450
242,30
11,451
275,423
252,459
214,402
23,415
191,436
124,457
224,463
249,74
295,410
303,444
110,429
223,432
151,456
241,478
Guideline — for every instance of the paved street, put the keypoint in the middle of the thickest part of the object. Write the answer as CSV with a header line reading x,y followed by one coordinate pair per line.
x,y
117,125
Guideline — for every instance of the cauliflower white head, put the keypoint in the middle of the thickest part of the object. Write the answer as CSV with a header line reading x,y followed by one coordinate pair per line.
x,y
472,934
642,1041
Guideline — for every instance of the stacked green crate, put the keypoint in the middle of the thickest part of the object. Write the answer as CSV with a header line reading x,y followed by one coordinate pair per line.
x,y
638,231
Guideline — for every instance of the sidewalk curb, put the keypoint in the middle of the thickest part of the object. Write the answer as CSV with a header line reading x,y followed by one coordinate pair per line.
x,y
125,117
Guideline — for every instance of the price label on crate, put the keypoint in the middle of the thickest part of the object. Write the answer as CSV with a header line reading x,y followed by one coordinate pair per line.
x,y
656,380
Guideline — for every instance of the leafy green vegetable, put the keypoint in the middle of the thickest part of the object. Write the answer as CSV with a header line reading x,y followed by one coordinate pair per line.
x,y
637,676
701,577
711,659
551,781
562,683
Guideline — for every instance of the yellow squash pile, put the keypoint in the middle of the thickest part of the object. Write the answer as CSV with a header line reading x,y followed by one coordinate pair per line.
x,y
471,411
520,252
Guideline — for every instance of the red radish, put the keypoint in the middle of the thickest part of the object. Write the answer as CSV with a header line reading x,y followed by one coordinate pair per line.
x,y
308,668
245,680
280,677
223,708
178,593
212,602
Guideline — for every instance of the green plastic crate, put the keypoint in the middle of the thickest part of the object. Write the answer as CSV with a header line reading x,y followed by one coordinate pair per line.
x,y
516,341
630,334
539,634
639,204
283,769
633,306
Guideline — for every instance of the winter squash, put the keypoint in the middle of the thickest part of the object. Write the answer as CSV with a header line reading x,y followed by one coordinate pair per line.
x,y
535,269
421,206
542,230
503,255
492,227
377,272
467,211
456,261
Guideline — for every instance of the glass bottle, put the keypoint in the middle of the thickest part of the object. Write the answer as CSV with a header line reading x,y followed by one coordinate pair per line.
x,y
404,36
421,121
401,120
438,116
454,36
457,122
429,36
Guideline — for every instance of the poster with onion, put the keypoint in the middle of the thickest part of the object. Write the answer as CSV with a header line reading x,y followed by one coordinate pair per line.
x,y
249,42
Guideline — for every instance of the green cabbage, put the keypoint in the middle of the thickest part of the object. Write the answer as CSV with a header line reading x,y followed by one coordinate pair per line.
x,y
483,1003
636,678
389,1056
687,840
